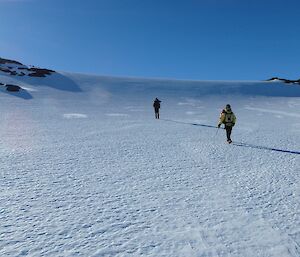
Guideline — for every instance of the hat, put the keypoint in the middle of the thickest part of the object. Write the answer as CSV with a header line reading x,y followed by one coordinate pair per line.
x,y
228,107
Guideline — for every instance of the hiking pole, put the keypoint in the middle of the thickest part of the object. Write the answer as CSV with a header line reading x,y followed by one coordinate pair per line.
x,y
217,132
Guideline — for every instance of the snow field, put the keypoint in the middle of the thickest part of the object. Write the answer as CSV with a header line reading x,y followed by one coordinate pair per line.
x,y
92,173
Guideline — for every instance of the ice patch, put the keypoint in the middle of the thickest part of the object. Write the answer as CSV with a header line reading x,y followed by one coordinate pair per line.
x,y
134,109
74,116
29,89
273,112
188,104
190,113
117,115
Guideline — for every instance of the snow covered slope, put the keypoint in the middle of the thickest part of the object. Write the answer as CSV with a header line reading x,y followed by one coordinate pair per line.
x,y
86,170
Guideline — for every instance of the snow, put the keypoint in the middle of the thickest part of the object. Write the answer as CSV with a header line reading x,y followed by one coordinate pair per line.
x,y
86,170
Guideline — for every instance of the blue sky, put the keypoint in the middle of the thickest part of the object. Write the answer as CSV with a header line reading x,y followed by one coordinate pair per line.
x,y
184,39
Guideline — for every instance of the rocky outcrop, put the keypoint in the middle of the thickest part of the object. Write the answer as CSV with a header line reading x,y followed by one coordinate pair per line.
x,y
4,69
36,72
13,88
15,68
287,81
6,61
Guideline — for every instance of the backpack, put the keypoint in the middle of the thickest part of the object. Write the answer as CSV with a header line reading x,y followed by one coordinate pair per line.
x,y
229,118
156,104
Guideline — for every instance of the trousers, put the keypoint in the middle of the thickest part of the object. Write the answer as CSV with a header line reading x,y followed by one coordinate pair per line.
x,y
228,131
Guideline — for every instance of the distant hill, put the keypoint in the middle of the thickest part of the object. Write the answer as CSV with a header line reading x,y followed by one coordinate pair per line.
x,y
19,76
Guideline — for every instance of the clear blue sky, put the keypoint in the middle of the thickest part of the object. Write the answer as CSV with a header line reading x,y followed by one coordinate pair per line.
x,y
184,39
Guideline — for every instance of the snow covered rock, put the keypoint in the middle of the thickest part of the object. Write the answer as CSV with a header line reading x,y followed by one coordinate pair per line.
x,y
15,68
36,72
7,61
13,88
287,81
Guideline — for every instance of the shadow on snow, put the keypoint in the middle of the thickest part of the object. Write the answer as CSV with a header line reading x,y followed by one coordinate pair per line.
x,y
55,80
237,143
21,94
189,123
264,148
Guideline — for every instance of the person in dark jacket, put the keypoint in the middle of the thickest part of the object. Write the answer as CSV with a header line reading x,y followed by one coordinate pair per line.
x,y
156,105
227,118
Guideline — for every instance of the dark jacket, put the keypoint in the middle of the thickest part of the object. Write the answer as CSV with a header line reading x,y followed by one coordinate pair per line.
x,y
156,104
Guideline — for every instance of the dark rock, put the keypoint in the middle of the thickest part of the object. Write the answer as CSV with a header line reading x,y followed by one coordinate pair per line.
x,y
42,71
33,71
4,70
36,74
274,78
287,81
12,88
4,61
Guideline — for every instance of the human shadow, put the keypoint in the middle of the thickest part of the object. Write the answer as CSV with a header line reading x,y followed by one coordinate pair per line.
x,y
189,123
264,148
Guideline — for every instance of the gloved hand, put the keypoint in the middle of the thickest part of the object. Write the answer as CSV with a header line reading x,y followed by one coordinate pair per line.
x,y
219,125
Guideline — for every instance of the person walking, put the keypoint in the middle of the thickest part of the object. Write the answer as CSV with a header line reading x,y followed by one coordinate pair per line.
x,y
156,105
227,118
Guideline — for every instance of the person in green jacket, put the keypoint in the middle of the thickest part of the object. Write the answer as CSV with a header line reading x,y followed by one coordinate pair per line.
x,y
227,118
